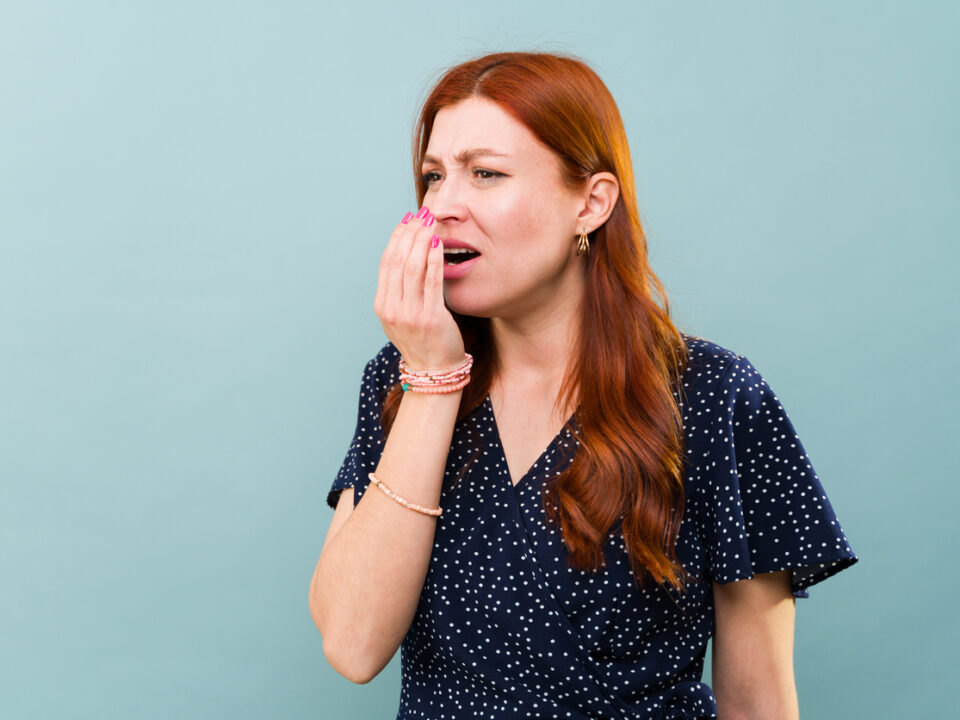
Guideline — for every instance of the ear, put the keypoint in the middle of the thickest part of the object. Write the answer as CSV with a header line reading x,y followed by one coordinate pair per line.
x,y
599,198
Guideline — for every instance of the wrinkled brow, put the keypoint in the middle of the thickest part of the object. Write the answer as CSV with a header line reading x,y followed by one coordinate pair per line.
x,y
465,156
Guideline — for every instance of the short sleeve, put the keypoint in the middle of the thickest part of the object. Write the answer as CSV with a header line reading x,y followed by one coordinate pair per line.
x,y
366,447
765,509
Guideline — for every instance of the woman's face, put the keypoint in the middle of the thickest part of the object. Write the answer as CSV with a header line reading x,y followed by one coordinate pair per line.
x,y
510,207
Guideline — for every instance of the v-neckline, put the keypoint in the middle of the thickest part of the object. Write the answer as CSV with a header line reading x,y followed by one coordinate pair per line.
x,y
488,403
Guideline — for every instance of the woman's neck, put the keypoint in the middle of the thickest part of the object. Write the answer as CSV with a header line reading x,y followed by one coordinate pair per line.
x,y
536,352
535,348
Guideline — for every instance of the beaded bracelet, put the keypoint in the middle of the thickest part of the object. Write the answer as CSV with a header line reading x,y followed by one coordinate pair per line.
x,y
467,360
440,389
436,381
435,512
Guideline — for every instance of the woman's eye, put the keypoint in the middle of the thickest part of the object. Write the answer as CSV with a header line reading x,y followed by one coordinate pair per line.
x,y
482,174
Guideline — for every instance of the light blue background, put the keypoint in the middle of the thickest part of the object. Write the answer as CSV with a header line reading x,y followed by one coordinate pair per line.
x,y
194,197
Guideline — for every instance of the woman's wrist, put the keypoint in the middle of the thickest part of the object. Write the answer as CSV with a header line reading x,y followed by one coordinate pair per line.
x,y
436,381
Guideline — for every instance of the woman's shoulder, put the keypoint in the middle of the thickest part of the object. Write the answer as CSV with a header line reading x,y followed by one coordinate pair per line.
x,y
706,359
387,357
382,370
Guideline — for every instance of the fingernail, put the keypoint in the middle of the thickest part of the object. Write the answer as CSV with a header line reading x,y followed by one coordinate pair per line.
x,y
422,212
429,221
406,218
434,241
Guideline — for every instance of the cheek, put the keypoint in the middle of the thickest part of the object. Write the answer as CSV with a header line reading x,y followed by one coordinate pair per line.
x,y
521,223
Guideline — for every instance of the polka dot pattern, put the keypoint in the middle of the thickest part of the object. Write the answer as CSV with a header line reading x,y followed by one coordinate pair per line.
x,y
505,629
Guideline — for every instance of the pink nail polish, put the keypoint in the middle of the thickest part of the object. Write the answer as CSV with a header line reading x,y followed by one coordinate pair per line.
x,y
406,218
423,212
429,221
434,241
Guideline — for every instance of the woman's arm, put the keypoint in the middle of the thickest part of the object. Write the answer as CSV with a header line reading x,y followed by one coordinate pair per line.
x,y
374,561
753,649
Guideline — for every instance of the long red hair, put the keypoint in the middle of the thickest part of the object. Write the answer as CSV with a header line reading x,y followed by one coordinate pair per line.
x,y
629,465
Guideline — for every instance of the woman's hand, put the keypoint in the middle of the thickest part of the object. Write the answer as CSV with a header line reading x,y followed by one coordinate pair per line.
x,y
409,299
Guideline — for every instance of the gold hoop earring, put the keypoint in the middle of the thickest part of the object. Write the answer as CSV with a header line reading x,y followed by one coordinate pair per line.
x,y
583,244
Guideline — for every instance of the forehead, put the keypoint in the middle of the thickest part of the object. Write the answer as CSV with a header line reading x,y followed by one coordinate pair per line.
x,y
481,123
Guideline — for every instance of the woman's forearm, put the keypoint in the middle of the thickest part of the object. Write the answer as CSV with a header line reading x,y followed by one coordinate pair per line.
x,y
369,576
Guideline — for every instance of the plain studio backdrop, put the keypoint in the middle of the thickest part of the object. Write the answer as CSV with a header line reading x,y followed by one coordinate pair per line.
x,y
194,197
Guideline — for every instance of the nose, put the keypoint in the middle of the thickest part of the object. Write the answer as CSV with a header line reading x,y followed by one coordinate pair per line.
x,y
446,200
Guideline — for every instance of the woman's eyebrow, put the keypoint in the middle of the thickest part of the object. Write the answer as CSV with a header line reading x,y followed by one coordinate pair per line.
x,y
465,156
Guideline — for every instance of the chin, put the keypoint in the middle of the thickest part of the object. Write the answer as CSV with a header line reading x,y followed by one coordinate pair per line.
x,y
468,308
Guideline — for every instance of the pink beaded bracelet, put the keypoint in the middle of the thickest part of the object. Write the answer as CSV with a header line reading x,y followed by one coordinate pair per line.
x,y
437,390
436,381
467,358
435,512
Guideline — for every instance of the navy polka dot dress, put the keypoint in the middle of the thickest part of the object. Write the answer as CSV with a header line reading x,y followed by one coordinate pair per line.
x,y
504,629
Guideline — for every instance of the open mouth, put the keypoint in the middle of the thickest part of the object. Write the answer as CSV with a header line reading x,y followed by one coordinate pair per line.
x,y
455,256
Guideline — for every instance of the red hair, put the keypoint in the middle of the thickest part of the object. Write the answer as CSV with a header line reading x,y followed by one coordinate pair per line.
x,y
630,357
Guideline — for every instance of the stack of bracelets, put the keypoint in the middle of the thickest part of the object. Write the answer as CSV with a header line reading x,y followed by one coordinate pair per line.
x,y
436,381
430,381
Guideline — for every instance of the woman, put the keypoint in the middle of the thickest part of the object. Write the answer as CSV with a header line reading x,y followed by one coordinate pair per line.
x,y
554,528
